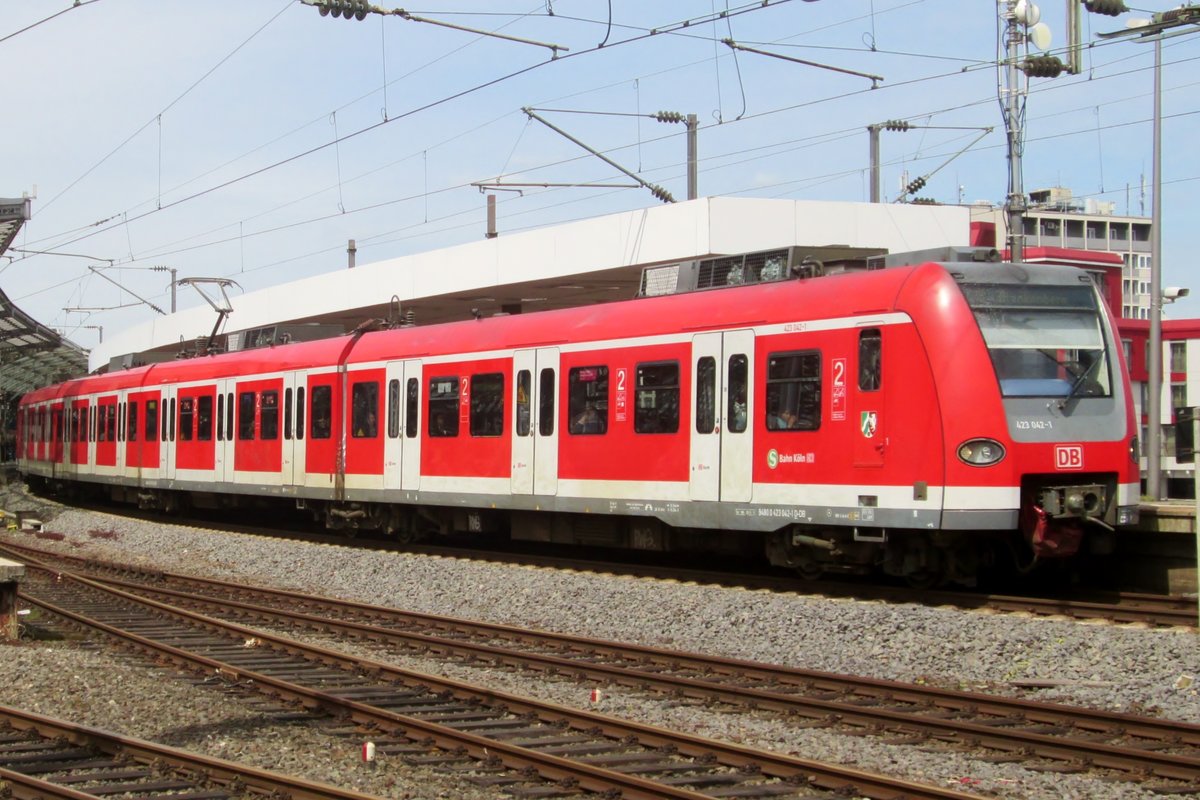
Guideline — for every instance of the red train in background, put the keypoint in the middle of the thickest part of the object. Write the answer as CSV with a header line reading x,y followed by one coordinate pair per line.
x,y
924,420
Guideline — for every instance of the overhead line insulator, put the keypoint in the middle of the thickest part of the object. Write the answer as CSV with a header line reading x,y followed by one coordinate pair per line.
x,y
1043,67
1111,8
897,125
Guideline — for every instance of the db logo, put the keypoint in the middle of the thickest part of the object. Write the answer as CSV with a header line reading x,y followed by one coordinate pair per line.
x,y
1068,456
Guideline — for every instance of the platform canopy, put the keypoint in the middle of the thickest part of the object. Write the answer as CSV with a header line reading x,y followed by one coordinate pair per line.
x,y
31,354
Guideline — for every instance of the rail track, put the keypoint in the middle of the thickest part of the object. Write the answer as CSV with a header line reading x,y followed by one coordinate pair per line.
x,y
1042,735
42,758
1158,611
498,740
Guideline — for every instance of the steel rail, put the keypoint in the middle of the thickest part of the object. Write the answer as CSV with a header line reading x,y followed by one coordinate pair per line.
x,y
240,779
549,766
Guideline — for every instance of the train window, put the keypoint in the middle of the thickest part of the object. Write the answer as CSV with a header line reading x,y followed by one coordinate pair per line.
x,y
524,384
393,408
587,400
204,410
121,411
75,424
220,417
287,413
167,407
131,429
546,402
870,369
111,422
443,406
656,409
487,404
706,395
738,379
245,417
794,391
101,433
364,419
300,412
151,419
172,428
269,413
322,412
187,415
229,416
411,408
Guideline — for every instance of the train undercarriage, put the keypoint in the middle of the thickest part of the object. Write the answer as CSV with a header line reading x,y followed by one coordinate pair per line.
x,y
919,557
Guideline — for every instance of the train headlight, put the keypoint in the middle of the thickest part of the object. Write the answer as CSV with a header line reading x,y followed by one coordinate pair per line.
x,y
1135,450
980,452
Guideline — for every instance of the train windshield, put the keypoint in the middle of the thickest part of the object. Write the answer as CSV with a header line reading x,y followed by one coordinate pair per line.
x,y
1044,341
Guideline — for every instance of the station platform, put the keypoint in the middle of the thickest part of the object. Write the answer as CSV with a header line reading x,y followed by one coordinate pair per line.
x,y
11,574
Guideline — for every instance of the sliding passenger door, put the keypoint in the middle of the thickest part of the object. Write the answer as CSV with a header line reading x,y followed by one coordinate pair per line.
x,y
535,437
410,420
722,400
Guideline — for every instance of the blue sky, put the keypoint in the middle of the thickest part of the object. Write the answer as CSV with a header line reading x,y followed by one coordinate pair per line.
x,y
250,140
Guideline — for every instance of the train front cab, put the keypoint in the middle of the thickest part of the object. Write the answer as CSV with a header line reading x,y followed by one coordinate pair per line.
x,y
1041,439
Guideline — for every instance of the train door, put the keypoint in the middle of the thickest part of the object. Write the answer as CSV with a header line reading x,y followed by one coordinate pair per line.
x,y
223,457
167,432
722,397
410,459
365,427
324,401
870,441
393,425
293,442
535,437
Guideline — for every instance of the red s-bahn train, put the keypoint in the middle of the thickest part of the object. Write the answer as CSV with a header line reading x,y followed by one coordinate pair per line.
x,y
922,420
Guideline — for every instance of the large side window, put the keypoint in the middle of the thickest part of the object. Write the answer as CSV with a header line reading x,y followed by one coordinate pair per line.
x,y
364,400
870,371
269,424
706,394
587,400
322,412
245,415
794,391
187,417
737,378
204,418
487,404
546,402
393,409
443,406
657,402
412,406
111,422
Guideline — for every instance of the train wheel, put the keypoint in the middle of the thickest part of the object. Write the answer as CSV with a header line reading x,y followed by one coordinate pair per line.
x,y
925,579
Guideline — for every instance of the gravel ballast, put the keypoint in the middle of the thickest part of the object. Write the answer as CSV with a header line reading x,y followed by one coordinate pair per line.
x,y
1118,668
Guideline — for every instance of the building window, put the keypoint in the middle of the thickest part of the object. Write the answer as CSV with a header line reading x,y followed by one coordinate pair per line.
x,y
1178,356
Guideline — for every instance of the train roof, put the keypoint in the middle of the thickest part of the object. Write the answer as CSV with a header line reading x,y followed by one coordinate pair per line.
x,y
855,293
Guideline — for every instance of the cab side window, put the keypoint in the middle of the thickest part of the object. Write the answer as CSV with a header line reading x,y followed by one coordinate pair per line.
x,y
870,371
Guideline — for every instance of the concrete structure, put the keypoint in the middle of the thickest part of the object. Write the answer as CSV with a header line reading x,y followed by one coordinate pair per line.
x,y
590,261
11,574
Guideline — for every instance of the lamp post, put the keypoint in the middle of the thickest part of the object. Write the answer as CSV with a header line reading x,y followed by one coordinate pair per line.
x,y
1156,29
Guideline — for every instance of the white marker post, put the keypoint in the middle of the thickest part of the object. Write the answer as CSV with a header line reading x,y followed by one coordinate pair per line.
x,y
368,753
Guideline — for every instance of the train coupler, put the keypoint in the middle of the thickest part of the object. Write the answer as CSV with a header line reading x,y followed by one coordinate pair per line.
x,y
1051,537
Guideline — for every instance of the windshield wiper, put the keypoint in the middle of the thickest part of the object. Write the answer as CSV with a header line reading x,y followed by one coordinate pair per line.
x,y
1083,376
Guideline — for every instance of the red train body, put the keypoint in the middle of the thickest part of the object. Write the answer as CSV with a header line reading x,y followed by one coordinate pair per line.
x,y
917,419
